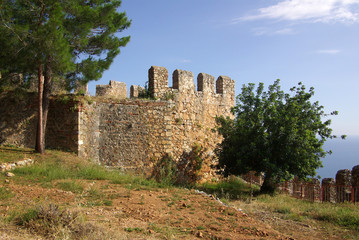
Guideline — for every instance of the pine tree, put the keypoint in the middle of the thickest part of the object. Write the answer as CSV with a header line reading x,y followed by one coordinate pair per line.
x,y
74,40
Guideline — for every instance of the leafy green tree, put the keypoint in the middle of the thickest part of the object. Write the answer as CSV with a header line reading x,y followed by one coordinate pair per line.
x,y
74,40
280,134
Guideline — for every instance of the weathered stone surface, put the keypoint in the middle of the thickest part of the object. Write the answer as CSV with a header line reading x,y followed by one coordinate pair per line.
x,y
312,190
135,134
113,89
158,81
355,182
343,183
329,190
297,187
136,91
18,121
10,166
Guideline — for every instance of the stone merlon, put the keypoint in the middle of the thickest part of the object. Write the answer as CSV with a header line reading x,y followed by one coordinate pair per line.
x,y
183,82
113,89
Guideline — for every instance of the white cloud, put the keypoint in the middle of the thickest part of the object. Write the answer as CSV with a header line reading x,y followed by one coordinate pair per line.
x,y
284,31
308,10
186,61
267,31
328,51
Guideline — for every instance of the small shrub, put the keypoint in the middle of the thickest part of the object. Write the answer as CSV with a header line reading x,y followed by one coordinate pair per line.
x,y
65,99
191,164
169,96
52,222
165,170
146,93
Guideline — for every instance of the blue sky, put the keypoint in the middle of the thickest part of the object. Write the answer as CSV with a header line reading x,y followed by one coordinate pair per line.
x,y
311,41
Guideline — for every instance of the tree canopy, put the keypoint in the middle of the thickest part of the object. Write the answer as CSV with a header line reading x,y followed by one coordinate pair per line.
x,y
72,40
76,39
280,134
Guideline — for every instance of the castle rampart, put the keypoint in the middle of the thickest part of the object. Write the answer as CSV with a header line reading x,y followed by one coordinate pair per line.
x,y
183,82
130,133
133,134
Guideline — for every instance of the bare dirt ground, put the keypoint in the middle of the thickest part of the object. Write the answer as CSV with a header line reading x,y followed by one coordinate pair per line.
x,y
131,213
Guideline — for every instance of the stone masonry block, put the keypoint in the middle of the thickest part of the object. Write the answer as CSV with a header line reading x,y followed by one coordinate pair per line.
x,y
183,80
355,182
343,183
329,192
224,85
206,83
113,89
158,81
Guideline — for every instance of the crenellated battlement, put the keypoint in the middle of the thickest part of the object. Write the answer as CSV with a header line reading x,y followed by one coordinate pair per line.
x,y
220,91
183,81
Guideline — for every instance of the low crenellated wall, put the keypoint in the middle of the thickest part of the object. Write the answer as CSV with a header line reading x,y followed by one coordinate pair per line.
x,y
344,188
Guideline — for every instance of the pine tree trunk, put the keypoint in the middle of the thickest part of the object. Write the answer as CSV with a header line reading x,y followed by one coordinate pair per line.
x,y
39,135
46,99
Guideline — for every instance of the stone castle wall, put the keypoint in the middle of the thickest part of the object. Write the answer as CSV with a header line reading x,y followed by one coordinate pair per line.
x,y
18,121
134,134
131,133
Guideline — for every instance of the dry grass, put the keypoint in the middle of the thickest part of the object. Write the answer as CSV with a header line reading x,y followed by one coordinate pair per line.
x,y
339,218
54,223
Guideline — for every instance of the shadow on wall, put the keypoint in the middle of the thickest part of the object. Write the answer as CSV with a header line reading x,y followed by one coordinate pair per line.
x,y
186,171
18,121
18,118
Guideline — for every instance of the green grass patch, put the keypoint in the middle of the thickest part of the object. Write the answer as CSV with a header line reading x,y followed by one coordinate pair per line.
x,y
5,194
233,188
341,214
71,186
45,172
107,202
59,165
10,154
200,228
135,229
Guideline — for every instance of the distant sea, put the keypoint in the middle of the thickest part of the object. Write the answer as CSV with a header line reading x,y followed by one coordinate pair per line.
x,y
345,156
